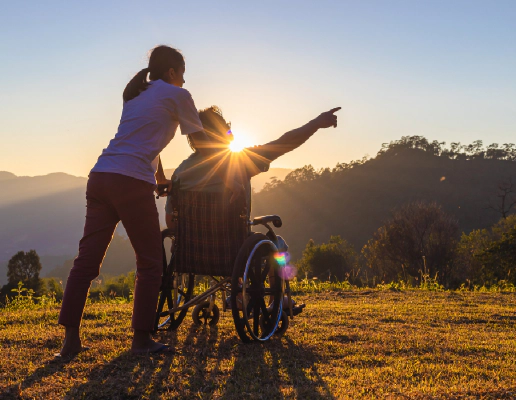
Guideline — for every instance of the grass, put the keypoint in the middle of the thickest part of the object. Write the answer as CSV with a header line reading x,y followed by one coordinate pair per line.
x,y
346,344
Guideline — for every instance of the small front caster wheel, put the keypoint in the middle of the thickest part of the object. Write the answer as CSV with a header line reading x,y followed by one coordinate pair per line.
x,y
282,326
202,316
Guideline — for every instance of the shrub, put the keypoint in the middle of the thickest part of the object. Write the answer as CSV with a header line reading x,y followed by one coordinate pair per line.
x,y
420,239
487,256
336,258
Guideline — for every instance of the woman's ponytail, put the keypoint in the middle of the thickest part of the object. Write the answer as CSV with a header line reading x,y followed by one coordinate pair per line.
x,y
161,59
136,85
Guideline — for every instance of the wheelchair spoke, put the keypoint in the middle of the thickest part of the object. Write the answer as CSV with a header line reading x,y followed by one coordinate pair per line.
x,y
256,318
265,272
264,309
250,305
258,273
250,274
161,302
170,300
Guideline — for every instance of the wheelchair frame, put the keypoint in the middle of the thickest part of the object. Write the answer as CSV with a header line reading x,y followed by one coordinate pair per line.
x,y
254,319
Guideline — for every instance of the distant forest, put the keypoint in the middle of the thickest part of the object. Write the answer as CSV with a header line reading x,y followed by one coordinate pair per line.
x,y
354,199
456,151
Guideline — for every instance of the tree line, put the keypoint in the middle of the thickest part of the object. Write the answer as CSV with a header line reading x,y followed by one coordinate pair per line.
x,y
456,151
419,242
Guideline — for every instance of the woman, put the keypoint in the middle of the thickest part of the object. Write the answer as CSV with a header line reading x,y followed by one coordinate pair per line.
x,y
120,188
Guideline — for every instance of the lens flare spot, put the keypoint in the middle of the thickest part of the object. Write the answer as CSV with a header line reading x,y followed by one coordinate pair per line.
x,y
286,270
282,258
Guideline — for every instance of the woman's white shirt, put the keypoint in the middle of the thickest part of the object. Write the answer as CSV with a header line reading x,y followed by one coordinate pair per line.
x,y
148,124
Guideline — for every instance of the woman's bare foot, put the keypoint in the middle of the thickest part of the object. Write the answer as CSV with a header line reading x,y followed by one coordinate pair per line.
x,y
143,343
72,342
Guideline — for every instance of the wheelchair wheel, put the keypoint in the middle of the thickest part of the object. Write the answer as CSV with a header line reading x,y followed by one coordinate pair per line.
x,y
256,289
185,285
202,316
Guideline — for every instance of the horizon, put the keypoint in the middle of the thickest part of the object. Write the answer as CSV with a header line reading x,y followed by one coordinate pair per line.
x,y
435,69
366,156
80,176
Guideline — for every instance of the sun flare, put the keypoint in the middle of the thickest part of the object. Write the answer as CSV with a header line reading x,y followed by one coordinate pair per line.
x,y
239,143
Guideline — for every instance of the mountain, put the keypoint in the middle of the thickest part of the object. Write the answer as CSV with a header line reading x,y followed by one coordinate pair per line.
x,y
18,189
46,213
353,202
4,175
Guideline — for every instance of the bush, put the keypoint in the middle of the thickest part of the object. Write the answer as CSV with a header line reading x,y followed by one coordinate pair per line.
x,y
419,240
118,287
337,258
53,287
487,256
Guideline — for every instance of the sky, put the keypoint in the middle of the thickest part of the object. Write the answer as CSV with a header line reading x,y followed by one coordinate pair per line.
x,y
441,69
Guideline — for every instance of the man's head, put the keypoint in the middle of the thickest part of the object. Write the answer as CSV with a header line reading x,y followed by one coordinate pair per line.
x,y
217,129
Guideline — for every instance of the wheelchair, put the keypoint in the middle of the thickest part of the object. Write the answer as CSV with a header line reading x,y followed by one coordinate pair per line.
x,y
213,238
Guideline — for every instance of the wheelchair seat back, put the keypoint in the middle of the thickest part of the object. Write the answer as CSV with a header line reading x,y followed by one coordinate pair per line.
x,y
210,232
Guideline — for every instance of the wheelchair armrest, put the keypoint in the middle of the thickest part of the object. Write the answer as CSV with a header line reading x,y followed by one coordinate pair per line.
x,y
275,219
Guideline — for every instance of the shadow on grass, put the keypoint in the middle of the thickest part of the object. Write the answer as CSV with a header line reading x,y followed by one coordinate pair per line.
x,y
49,368
200,349
128,376
276,369
204,365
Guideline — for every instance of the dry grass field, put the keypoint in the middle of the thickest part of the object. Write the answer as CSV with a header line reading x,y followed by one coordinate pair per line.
x,y
347,344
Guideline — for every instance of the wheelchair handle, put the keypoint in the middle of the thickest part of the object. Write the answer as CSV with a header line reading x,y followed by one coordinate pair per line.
x,y
275,219
162,190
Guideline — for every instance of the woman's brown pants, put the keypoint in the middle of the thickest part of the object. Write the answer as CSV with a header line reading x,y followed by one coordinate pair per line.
x,y
111,198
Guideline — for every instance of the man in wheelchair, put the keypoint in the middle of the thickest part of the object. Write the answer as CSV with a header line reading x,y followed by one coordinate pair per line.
x,y
201,173
205,179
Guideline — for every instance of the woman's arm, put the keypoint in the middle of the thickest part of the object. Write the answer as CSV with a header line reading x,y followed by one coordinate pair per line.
x,y
160,174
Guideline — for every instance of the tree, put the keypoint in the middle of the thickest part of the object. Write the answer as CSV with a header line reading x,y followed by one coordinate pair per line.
x,y
305,174
335,258
486,256
24,267
419,239
506,192
499,259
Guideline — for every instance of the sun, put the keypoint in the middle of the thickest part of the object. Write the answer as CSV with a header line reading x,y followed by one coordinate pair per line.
x,y
239,143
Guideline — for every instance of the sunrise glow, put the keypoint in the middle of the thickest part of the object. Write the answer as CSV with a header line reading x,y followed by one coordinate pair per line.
x,y
239,143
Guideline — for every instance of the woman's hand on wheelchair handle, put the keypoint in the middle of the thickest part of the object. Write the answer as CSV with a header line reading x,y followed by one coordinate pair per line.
x,y
161,185
327,119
